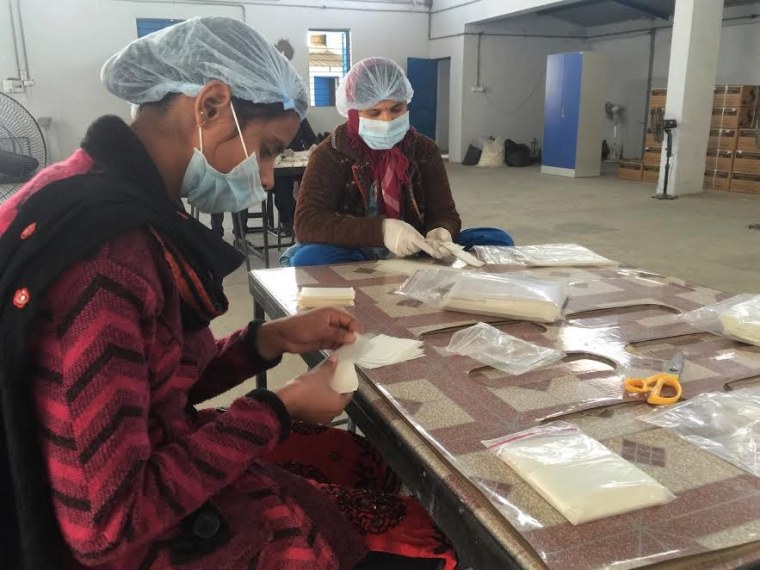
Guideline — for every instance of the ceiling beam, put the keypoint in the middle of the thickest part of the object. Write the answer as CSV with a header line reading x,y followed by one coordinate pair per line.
x,y
645,9
565,7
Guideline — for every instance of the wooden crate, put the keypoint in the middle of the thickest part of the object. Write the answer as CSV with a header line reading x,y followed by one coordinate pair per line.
x,y
657,97
746,183
718,159
650,173
724,139
748,140
732,117
652,155
747,162
629,170
734,95
717,180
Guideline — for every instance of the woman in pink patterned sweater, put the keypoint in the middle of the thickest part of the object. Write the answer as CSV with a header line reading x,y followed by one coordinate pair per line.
x,y
109,288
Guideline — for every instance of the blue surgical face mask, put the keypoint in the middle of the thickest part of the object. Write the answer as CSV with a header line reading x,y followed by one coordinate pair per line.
x,y
382,135
214,192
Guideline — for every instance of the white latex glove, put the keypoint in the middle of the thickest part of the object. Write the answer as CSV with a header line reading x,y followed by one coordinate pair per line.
x,y
402,239
436,238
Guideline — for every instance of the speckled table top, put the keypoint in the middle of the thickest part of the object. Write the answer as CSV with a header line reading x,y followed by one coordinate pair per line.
x,y
619,321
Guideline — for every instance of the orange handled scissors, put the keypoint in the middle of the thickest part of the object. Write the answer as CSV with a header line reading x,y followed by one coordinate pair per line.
x,y
655,384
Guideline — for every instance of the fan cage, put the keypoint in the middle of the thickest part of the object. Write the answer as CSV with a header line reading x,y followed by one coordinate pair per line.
x,y
20,135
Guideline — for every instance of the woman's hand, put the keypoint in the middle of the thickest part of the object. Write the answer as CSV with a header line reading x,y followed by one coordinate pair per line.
x,y
312,330
436,238
309,397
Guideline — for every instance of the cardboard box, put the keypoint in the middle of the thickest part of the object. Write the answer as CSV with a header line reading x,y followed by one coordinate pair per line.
x,y
650,173
657,97
746,183
747,139
652,141
717,180
629,170
734,95
724,139
718,159
747,162
652,155
733,117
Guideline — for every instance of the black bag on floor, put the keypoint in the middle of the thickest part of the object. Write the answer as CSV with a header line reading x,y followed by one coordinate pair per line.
x,y
516,154
472,156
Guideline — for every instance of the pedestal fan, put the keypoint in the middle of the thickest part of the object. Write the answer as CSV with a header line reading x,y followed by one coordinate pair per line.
x,y
615,114
22,146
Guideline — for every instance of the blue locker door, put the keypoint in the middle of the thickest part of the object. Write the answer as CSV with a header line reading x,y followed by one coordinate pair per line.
x,y
552,145
571,100
423,75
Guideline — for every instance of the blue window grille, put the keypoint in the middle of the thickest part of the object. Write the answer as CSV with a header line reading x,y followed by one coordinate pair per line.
x,y
147,26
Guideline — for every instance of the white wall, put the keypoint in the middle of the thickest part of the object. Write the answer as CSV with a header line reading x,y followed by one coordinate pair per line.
x,y
68,41
513,74
453,48
512,63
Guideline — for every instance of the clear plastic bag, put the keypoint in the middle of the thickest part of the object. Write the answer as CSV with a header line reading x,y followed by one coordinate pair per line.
x,y
576,474
512,355
545,255
737,318
726,424
502,295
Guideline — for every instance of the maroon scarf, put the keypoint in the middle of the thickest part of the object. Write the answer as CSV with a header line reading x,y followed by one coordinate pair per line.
x,y
390,168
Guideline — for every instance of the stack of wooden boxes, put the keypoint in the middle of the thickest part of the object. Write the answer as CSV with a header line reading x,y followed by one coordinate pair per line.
x,y
733,155
729,166
648,168
650,171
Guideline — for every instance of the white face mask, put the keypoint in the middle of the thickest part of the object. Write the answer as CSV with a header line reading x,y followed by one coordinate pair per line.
x,y
382,135
214,192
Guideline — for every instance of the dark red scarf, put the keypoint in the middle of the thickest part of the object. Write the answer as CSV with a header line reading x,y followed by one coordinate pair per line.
x,y
390,168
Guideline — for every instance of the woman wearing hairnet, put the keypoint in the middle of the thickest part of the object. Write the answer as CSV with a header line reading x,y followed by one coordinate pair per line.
x,y
108,288
377,187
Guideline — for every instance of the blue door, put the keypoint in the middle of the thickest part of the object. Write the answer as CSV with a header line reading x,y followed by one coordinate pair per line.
x,y
572,68
552,145
562,108
423,75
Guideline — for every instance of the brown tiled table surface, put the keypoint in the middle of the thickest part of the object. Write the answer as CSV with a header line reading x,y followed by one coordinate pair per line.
x,y
429,415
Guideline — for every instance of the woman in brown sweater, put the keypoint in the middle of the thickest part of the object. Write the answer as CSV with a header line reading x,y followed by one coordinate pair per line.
x,y
376,187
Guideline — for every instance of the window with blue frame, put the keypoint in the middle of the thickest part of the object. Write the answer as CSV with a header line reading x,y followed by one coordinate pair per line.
x,y
329,61
147,26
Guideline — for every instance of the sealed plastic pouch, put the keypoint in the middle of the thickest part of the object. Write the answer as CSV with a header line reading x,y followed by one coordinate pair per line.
x,y
737,318
726,424
545,255
576,474
505,352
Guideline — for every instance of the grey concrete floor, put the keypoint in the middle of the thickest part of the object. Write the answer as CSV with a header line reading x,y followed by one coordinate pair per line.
x,y
702,238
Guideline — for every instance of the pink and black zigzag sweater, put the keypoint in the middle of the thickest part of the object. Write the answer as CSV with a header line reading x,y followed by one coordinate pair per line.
x,y
138,478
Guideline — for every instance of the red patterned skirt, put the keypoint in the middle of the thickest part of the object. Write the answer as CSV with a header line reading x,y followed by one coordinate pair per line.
x,y
352,472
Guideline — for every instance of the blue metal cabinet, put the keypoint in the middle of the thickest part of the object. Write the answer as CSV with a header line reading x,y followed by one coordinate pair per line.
x,y
573,114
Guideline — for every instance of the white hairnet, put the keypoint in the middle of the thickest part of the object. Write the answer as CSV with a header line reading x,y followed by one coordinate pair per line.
x,y
370,81
184,57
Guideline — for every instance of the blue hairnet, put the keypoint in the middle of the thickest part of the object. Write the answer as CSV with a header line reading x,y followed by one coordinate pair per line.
x,y
370,81
184,57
